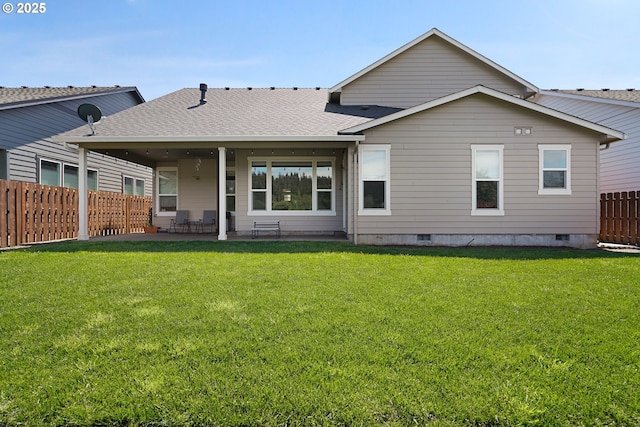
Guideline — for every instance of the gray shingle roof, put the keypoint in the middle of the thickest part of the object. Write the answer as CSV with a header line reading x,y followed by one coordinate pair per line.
x,y
18,96
631,95
235,112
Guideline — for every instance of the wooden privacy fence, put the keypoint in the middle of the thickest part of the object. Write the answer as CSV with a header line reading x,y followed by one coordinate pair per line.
x,y
619,219
32,213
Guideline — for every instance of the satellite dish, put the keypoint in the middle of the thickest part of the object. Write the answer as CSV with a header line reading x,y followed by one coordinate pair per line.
x,y
90,114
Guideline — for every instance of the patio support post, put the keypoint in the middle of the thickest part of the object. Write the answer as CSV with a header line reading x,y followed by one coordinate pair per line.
x,y
222,193
83,211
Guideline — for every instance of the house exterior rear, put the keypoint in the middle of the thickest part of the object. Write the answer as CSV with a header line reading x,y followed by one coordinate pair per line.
x,y
434,144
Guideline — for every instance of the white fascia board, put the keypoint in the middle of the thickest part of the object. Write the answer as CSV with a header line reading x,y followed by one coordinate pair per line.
x,y
434,31
591,98
186,139
611,134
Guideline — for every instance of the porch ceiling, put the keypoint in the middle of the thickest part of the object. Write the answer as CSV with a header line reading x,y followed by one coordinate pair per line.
x,y
152,153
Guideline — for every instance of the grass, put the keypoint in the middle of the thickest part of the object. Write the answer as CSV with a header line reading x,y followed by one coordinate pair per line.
x,y
317,334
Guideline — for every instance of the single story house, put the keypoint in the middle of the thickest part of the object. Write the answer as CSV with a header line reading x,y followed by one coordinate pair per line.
x,y
619,109
434,144
30,116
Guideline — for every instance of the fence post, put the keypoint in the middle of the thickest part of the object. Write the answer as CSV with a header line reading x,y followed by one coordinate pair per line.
x,y
610,217
634,213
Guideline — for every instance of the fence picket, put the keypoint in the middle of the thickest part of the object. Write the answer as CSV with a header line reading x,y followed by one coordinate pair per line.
x,y
620,217
31,213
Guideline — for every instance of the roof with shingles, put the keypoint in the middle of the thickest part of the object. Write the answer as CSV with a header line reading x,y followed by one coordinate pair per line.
x,y
630,95
235,112
14,97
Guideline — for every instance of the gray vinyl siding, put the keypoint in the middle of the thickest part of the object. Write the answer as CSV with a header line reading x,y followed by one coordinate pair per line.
x,y
428,70
431,177
25,133
619,169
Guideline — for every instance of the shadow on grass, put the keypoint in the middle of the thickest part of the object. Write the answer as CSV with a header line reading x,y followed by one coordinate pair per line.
x,y
278,247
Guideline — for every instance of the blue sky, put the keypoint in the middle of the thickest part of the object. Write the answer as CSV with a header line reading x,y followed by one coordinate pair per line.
x,y
162,46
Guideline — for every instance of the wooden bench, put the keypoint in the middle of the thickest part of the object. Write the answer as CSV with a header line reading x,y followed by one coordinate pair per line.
x,y
265,225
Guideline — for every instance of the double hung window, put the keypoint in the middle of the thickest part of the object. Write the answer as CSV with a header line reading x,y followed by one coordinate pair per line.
x,y
167,187
555,169
374,180
488,181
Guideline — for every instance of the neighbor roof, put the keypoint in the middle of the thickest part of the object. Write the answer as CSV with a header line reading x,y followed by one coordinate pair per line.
x,y
611,133
621,97
17,97
231,114
437,33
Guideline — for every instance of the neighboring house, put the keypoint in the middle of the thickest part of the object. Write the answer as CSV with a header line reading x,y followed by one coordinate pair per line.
x,y
619,109
29,117
434,144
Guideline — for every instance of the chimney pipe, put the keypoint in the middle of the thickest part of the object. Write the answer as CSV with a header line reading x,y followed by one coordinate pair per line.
x,y
203,91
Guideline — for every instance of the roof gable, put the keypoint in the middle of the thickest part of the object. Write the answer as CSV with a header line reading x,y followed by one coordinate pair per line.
x,y
610,134
435,33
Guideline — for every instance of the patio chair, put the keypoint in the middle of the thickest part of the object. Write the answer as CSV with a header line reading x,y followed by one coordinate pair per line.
x,y
181,220
209,220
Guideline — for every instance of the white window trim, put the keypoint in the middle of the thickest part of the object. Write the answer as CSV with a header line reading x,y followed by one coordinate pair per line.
x,y
157,190
484,211
314,211
553,191
362,211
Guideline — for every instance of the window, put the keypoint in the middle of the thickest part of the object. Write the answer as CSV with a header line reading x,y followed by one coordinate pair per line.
x,y
231,190
70,176
50,173
487,186
92,179
324,185
132,186
4,164
555,169
374,180
167,187
293,185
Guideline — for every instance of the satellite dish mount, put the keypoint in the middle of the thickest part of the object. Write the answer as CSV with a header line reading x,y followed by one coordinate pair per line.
x,y
90,114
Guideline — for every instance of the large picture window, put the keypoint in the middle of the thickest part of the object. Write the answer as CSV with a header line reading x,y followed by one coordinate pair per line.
x,y
555,169
487,184
292,185
374,180
167,188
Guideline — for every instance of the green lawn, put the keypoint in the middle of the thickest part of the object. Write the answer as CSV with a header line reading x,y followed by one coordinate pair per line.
x,y
307,334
